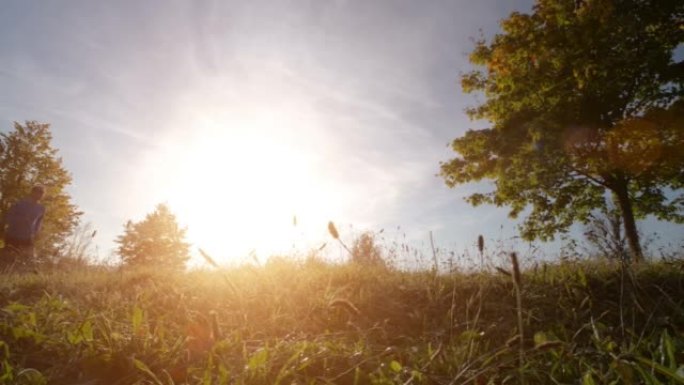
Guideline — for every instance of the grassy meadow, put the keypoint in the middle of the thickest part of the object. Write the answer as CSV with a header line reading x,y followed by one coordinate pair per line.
x,y
311,322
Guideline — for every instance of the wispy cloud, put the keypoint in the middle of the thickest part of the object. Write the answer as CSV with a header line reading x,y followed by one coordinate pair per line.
x,y
365,92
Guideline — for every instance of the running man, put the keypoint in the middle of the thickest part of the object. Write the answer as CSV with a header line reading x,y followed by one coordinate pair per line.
x,y
23,221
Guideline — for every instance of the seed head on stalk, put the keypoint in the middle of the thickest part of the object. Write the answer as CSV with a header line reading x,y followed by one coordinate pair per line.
x,y
517,278
480,247
333,232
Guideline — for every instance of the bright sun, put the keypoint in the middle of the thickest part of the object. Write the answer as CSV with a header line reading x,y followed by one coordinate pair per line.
x,y
239,182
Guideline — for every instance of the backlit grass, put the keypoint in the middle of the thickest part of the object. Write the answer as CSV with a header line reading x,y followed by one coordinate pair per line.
x,y
315,323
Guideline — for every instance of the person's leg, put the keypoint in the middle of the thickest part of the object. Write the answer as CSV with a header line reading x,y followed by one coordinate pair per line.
x,y
18,255
29,257
5,256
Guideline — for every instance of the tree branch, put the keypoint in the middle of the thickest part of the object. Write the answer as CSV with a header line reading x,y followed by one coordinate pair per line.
x,y
581,173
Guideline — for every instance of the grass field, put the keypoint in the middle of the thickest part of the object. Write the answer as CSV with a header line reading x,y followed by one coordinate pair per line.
x,y
315,323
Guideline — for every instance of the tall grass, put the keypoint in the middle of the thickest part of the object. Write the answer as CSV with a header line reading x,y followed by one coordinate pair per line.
x,y
310,322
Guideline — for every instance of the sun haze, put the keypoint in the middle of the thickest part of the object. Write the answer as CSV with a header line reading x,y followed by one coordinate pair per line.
x,y
242,115
243,173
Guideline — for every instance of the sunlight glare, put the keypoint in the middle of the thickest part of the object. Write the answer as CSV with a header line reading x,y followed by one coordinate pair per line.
x,y
239,182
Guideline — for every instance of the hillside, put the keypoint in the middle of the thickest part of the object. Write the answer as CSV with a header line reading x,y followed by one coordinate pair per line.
x,y
316,323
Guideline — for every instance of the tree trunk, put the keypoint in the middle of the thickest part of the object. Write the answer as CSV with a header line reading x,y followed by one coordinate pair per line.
x,y
622,197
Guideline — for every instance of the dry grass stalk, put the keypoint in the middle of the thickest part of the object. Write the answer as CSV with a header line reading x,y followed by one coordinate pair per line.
x,y
434,253
215,329
480,243
517,284
344,304
333,232
208,258
213,263
516,270
480,248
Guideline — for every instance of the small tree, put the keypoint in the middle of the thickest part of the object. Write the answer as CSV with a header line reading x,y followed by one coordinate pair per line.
x,y
366,252
27,158
157,240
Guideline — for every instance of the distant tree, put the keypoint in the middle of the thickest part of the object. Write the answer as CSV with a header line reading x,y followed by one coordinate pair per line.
x,y
27,158
585,102
157,240
365,251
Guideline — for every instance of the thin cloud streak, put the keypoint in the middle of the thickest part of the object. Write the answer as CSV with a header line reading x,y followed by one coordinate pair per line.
x,y
359,80
366,93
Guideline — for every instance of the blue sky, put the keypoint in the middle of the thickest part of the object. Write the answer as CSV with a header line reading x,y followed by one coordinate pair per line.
x,y
240,115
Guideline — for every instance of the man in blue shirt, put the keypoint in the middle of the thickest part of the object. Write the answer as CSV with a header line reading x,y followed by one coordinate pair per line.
x,y
23,221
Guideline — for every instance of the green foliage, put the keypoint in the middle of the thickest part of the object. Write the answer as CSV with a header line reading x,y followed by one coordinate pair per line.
x,y
278,324
157,240
365,251
584,98
27,158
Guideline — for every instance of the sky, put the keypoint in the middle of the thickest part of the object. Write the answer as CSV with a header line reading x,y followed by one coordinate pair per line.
x,y
243,115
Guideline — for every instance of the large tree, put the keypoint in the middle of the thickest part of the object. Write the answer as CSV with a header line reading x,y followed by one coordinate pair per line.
x,y
585,104
157,240
27,158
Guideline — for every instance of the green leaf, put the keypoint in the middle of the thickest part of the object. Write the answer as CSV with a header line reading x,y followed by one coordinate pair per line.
x,y
74,338
540,338
16,307
582,277
588,379
31,376
87,331
4,350
671,374
83,333
258,359
143,368
667,347
646,376
625,371
395,366
206,380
